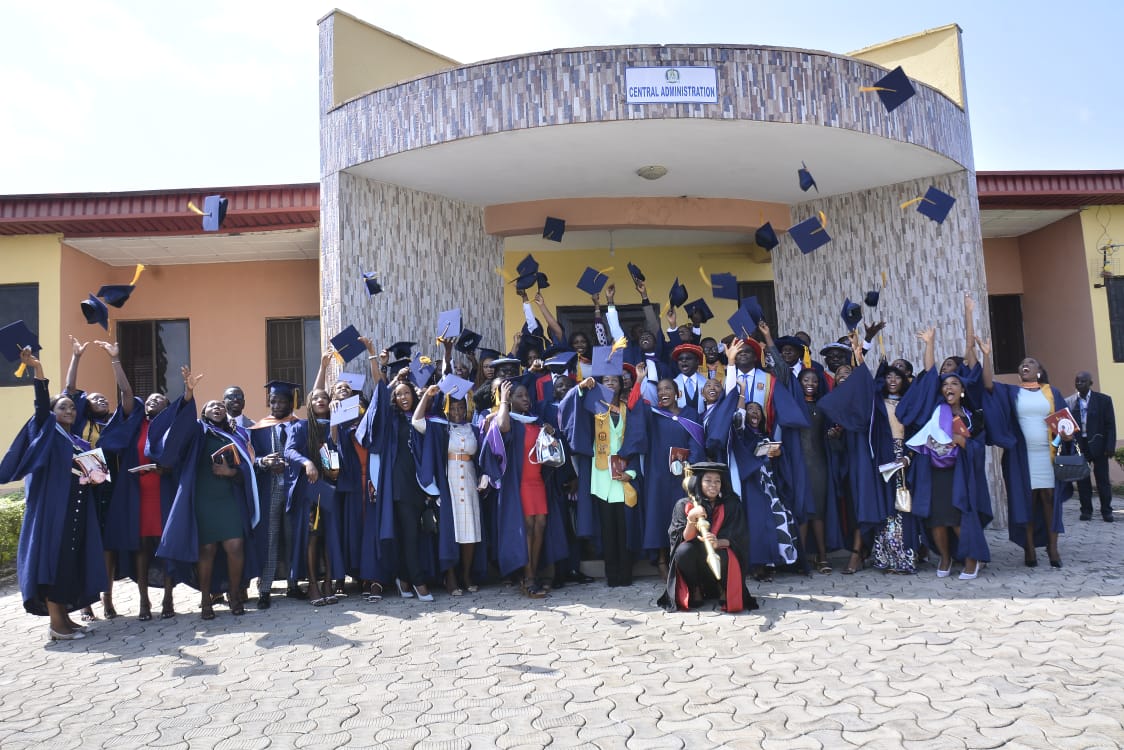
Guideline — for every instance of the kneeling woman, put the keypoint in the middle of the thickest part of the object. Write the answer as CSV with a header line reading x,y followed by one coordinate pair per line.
x,y
216,504
691,579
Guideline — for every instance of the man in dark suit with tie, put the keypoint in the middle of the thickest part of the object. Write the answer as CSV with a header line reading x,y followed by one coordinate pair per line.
x,y
1095,415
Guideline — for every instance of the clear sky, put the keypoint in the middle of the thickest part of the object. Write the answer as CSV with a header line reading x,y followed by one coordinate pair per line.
x,y
102,95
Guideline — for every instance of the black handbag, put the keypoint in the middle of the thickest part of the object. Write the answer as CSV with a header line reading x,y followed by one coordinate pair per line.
x,y
1071,467
429,516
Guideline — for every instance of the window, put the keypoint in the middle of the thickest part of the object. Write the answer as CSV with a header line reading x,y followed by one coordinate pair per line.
x,y
1115,288
152,352
293,350
1008,346
580,318
766,294
18,302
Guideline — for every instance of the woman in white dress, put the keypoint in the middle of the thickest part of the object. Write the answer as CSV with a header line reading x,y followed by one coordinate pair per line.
x,y
455,440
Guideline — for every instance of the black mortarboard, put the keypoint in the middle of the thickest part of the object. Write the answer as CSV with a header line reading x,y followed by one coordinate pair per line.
x,y
894,89
530,341
635,272
701,308
753,308
449,323
766,236
559,362
835,347
554,229
467,341
936,204
214,212
678,294
347,344
592,281
784,341
851,313
483,353
285,388
871,298
14,337
806,180
742,323
454,386
116,295
724,286
401,349
95,311
809,234
606,362
527,266
373,286
393,367
529,280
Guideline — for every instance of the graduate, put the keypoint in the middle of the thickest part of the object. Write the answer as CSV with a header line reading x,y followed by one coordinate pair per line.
x,y
691,580
216,507
674,437
142,495
59,557
276,477
688,380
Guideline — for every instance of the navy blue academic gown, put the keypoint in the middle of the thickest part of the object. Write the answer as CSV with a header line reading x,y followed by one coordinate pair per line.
x,y
175,438
1003,430
662,489
262,443
309,503
42,454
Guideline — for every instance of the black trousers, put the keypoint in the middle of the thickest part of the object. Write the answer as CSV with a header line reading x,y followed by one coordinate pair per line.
x,y
614,543
689,561
1104,487
407,528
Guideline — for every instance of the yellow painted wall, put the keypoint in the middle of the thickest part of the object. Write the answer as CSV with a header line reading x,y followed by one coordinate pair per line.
x,y
366,58
1104,225
933,57
32,260
660,266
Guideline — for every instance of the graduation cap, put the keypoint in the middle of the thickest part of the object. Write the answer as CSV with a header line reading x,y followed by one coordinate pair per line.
x,y
95,311
744,322
835,347
606,361
355,380
724,286
871,298
935,204
372,284
528,341
14,337
635,272
851,313
484,353
559,363
394,367
116,294
554,229
784,341
401,349
213,213
810,234
455,387
766,236
599,398
467,341
527,266
806,180
699,306
347,344
593,281
284,388
449,323
421,369
894,89
678,294
532,279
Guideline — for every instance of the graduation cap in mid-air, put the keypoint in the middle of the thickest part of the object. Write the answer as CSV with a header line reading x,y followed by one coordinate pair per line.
x,y
851,314
698,306
554,229
894,89
871,298
678,294
116,295
467,341
810,234
936,204
372,283
449,323
347,344
766,236
635,272
14,338
593,281
95,311
213,212
807,182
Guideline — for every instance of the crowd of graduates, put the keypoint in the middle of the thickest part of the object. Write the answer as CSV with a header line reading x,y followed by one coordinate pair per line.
x,y
723,462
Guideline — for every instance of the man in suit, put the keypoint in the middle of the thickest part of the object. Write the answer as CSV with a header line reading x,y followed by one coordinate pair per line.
x,y
1097,439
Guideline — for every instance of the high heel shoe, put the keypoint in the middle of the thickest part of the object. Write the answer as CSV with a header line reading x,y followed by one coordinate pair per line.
x,y
426,597
403,592
54,635
852,569
1056,563
944,573
966,576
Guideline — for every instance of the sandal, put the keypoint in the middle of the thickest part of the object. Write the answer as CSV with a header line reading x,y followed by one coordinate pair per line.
x,y
822,567
87,615
851,568
534,592
319,602
375,590
145,613
236,607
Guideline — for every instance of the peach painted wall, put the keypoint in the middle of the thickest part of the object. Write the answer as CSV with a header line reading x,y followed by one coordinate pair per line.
x,y
227,305
1003,265
1057,305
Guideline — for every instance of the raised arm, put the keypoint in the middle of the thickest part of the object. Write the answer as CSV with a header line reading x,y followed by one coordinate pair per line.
x,y
651,319
599,331
780,370
929,336
189,382
423,407
375,360
42,395
124,388
503,416
322,373
78,348
857,348
970,358
988,375
552,326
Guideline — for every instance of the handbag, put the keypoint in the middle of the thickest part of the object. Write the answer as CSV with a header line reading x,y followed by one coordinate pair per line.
x,y
1071,467
547,450
429,515
903,498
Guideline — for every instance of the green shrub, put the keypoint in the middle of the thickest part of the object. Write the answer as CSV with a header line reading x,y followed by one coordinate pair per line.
x,y
1119,457
11,516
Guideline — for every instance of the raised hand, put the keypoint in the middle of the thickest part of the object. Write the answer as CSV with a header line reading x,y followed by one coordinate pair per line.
x,y
596,300
539,299
432,391
190,380
984,346
587,384
28,359
928,335
641,287
765,330
78,348
367,343
113,350
610,293
505,393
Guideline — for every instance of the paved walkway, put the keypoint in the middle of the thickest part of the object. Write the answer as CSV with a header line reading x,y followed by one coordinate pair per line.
x,y
1018,658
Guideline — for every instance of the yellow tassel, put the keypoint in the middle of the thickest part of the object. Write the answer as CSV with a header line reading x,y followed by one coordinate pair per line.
x,y
823,219
883,279
424,360
618,345
195,209
911,202
136,275
706,280
807,358
604,271
875,88
21,370
339,357
506,276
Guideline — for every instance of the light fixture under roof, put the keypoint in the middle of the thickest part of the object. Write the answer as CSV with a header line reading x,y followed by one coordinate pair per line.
x,y
652,171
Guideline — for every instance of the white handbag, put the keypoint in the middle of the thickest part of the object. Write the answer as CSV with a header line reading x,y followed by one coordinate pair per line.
x,y
547,450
